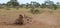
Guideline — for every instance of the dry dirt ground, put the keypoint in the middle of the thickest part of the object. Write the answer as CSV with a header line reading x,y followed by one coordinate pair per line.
x,y
46,19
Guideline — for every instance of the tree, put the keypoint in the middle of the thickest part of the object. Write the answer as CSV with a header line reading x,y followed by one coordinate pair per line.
x,y
15,3
8,3
54,6
35,4
43,5
58,3
49,4
27,5
12,3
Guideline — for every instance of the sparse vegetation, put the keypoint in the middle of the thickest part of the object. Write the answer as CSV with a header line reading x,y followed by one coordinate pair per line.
x,y
34,16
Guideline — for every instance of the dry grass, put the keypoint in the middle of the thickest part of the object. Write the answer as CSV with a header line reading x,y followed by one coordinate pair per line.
x,y
48,19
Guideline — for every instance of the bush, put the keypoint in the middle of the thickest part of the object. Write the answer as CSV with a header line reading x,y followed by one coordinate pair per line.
x,y
1,7
7,8
34,11
17,8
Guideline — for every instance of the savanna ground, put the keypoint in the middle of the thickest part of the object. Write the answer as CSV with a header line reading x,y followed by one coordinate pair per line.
x,y
47,18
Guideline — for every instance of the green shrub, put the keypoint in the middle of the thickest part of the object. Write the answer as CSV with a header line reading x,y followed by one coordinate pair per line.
x,y
34,11
7,8
17,8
